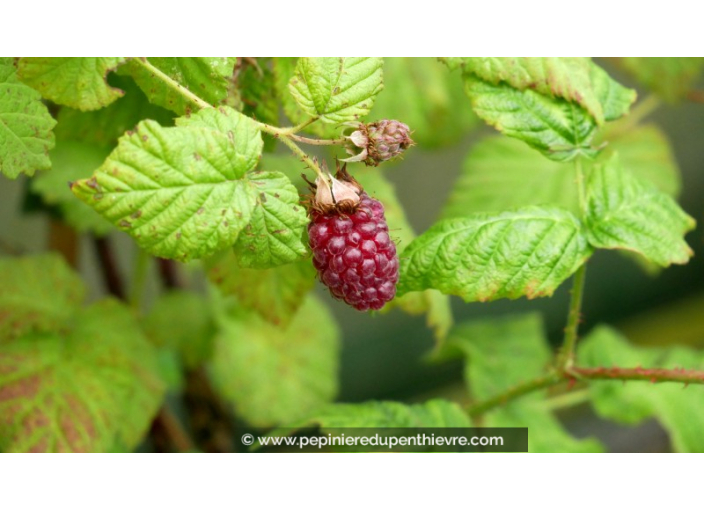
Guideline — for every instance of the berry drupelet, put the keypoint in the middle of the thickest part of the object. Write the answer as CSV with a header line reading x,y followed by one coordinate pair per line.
x,y
352,251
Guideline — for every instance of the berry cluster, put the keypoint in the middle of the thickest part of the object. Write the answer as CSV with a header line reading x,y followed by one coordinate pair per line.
x,y
353,253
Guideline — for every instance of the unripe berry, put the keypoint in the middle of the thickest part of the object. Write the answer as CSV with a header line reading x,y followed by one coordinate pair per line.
x,y
380,141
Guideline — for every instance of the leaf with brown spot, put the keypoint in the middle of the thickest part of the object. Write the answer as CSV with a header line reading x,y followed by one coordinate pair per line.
x,y
91,389
274,235
37,293
76,82
207,77
25,126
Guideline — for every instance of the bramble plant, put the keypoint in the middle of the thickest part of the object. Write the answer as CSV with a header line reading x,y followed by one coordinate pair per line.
x,y
178,153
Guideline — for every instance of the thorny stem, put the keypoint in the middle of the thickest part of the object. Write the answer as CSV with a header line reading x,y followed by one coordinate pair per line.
x,y
654,375
172,84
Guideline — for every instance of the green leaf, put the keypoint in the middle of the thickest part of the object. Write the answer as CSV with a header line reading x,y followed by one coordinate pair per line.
x,y
273,375
558,129
669,77
275,294
430,302
554,105
433,413
678,409
421,93
93,389
501,353
502,173
38,293
574,79
629,214
615,99
274,234
25,126
483,257
76,82
181,192
103,127
646,152
337,89
545,433
206,77
290,166
72,161
284,69
181,321
559,77
256,85
241,131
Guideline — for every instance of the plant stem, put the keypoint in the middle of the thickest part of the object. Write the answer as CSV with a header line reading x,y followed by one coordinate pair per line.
x,y
566,357
139,276
285,135
286,140
569,399
172,84
63,239
167,423
169,274
316,141
580,186
295,129
653,375
108,266
513,393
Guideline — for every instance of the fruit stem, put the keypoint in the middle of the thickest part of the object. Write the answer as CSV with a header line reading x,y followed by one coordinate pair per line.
x,y
294,129
284,136
317,141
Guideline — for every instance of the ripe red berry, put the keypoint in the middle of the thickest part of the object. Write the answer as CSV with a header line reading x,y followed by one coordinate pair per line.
x,y
352,251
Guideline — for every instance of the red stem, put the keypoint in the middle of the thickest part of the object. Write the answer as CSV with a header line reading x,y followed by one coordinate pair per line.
x,y
654,375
